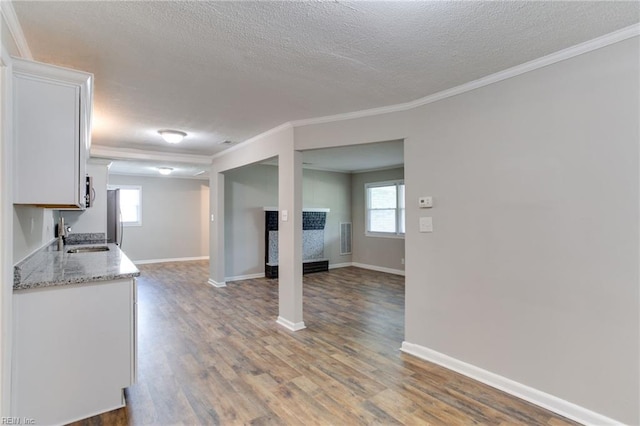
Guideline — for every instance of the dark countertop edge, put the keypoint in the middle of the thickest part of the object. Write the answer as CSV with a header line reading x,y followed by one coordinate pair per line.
x,y
80,280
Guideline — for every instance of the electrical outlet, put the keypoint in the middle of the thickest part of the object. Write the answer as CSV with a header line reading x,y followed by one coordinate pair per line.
x,y
402,261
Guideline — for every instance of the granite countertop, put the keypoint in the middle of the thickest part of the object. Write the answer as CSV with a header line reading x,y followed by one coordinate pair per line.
x,y
49,267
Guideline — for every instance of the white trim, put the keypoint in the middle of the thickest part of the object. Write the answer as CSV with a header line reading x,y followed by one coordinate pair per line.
x,y
176,259
216,283
397,183
384,235
101,151
244,277
535,396
310,209
293,326
201,176
283,126
378,268
379,169
138,188
340,265
564,54
568,53
13,24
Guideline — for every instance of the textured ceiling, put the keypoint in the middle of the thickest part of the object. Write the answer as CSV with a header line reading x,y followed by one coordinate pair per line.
x,y
231,70
353,159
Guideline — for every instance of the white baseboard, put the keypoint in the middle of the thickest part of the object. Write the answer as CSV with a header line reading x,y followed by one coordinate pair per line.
x,y
378,268
537,397
293,326
177,259
340,265
244,277
217,284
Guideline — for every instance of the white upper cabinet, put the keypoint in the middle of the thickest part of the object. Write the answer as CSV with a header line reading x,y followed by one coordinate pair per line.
x,y
52,134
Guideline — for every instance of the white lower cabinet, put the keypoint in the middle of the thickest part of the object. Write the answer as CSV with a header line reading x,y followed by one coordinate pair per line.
x,y
74,350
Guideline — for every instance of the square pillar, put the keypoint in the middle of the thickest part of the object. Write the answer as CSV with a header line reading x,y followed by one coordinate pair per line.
x,y
290,240
216,230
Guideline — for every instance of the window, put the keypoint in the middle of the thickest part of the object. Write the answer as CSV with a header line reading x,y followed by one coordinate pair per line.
x,y
130,204
385,208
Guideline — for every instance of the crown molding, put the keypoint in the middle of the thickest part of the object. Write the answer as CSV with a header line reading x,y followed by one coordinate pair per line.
x,y
258,137
156,176
13,24
102,151
568,53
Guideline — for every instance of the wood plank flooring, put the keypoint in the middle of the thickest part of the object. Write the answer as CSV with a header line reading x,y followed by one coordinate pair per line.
x,y
216,356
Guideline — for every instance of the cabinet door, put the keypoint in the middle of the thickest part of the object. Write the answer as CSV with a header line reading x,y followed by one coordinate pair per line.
x,y
72,350
47,135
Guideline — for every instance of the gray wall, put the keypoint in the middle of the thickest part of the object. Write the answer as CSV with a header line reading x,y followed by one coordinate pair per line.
x,y
174,218
375,251
331,190
532,271
249,189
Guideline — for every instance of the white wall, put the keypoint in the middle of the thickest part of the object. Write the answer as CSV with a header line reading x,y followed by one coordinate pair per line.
x,y
33,227
249,189
174,218
375,251
8,47
532,271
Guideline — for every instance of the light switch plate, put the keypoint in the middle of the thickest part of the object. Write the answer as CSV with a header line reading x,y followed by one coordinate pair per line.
x,y
425,202
426,224
285,215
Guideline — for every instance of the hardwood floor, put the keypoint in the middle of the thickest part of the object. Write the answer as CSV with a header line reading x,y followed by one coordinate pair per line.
x,y
216,356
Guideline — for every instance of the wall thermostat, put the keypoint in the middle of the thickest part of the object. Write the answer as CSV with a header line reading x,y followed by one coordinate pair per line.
x,y
425,202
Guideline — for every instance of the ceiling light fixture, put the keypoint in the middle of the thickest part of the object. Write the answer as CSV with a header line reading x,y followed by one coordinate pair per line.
x,y
172,136
165,170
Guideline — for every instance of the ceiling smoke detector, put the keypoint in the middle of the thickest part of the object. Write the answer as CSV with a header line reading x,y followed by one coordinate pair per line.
x,y
172,136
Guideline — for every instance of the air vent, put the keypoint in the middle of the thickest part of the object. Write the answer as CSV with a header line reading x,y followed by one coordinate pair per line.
x,y
345,238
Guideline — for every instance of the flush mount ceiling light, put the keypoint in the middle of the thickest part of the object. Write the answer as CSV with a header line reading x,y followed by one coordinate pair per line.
x,y
172,136
165,170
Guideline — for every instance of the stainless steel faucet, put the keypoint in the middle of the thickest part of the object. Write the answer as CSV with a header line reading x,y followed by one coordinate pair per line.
x,y
62,233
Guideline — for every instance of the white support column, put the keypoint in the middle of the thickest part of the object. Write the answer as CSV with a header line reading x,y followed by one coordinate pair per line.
x,y
216,230
290,239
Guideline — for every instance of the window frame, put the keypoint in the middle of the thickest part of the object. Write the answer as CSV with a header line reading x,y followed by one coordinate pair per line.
x,y
136,187
367,209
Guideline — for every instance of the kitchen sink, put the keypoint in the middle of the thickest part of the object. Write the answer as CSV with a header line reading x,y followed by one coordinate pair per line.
x,y
88,249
